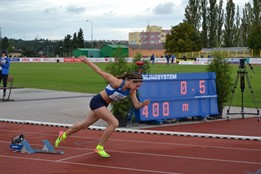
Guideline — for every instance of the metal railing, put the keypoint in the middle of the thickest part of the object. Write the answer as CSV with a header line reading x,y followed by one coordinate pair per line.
x,y
226,53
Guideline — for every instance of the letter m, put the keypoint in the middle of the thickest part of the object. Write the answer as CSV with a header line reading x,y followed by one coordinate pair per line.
x,y
185,107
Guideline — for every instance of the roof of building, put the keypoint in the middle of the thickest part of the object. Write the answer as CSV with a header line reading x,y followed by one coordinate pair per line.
x,y
88,49
116,46
16,51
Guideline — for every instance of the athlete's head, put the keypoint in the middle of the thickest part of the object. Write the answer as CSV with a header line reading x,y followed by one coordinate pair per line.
x,y
131,76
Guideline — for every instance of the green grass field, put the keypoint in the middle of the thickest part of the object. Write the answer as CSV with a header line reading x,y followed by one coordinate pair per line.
x,y
78,77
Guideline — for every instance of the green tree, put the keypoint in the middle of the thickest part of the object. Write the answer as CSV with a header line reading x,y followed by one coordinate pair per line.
x,y
222,68
212,23
5,43
246,22
183,38
256,12
204,32
138,58
80,39
29,53
193,13
229,24
237,38
220,22
58,49
74,41
254,40
67,45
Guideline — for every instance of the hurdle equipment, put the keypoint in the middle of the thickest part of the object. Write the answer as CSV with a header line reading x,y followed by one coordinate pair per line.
x,y
47,148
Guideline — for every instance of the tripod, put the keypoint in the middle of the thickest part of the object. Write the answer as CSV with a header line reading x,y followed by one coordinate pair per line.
x,y
242,73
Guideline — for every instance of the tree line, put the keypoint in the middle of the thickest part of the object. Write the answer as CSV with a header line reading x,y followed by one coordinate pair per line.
x,y
207,25
51,48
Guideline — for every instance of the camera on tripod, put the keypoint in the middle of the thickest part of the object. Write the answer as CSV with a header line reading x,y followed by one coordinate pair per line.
x,y
242,63
242,74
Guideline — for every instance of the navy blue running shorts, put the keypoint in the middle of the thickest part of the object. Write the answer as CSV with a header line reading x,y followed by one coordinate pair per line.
x,y
97,101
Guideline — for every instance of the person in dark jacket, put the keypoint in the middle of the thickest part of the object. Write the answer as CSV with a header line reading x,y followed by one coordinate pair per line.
x,y
4,69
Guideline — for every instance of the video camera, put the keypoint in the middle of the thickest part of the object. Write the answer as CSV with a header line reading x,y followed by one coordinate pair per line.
x,y
242,63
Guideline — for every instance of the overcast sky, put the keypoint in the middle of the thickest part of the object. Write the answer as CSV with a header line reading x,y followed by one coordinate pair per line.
x,y
111,19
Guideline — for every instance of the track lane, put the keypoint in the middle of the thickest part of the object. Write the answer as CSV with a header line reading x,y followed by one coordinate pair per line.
x,y
132,153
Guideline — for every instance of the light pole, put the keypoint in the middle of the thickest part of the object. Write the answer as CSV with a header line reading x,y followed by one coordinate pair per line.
x,y
47,50
61,51
91,30
51,50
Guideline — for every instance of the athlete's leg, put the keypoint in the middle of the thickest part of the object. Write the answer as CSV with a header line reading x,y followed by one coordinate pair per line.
x,y
85,123
113,123
90,119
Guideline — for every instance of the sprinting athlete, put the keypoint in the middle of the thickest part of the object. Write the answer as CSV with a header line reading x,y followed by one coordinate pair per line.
x,y
117,89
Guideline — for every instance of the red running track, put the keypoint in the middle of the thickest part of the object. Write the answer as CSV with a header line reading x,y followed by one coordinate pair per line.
x,y
130,153
242,127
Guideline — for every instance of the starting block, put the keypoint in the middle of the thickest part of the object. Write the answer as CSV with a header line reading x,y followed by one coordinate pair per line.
x,y
47,148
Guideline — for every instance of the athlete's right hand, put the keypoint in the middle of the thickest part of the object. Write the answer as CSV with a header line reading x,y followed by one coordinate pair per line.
x,y
84,59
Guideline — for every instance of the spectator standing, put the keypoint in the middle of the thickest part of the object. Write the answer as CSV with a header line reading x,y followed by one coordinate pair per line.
x,y
167,58
4,69
172,58
152,58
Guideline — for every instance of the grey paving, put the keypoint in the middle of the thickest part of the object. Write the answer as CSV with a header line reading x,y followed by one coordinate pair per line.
x,y
46,106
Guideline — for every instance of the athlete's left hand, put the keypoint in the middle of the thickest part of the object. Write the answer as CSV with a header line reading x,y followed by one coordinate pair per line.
x,y
145,102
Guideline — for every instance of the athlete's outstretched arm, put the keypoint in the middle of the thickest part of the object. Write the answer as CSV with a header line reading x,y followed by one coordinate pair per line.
x,y
136,102
108,77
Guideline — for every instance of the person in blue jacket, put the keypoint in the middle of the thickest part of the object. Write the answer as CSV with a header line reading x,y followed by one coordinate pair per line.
x,y
118,88
4,69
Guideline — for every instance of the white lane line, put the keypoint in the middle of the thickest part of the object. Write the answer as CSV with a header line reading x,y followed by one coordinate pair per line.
x,y
75,156
93,165
189,157
138,141
169,133
168,156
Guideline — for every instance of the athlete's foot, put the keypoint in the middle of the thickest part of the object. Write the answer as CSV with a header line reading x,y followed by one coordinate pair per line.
x,y
62,136
100,151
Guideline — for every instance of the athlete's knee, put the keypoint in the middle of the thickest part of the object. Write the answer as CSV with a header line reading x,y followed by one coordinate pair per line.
x,y
115,124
